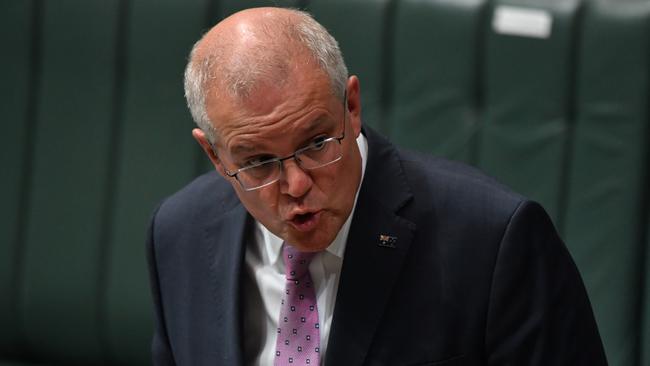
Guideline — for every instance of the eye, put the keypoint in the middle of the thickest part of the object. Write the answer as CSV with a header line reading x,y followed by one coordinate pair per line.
x,y
256,160
318,143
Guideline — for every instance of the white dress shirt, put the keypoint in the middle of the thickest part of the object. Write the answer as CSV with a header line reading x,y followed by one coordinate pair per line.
x,y
264,282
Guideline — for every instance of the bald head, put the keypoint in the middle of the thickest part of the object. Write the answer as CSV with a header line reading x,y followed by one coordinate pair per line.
x,y
253,48
252,45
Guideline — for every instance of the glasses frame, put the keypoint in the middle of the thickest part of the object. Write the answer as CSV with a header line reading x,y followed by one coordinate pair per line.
x,y
235,173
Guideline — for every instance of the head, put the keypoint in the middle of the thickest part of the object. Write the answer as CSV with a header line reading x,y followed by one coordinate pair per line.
x,y
262,84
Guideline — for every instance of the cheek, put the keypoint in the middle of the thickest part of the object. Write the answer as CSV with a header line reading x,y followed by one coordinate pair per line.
x,y
350,166
347,179
332,186
326,181
262,203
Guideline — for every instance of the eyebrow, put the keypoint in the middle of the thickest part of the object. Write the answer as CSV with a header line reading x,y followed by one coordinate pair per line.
x,y
315,124
240,149
312,126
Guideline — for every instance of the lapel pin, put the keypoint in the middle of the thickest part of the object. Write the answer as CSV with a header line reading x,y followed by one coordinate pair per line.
x,y
387,241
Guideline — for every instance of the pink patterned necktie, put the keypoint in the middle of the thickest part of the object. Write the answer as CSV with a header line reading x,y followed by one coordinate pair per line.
x,y
298,341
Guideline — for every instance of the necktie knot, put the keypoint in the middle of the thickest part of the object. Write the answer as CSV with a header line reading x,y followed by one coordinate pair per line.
x,y
296,263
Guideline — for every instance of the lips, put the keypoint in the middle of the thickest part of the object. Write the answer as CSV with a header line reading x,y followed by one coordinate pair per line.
x,y
305,221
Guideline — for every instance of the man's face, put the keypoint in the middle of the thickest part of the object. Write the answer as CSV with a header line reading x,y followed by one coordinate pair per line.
x,y
306,208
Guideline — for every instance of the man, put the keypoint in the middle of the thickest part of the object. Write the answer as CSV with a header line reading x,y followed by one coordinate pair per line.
x,y
319,242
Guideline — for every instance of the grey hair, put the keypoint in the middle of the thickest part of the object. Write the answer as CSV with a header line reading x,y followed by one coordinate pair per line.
x,y
239,73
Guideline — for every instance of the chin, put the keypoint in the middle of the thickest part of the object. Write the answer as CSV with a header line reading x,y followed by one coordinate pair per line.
x,y
310,243
318,238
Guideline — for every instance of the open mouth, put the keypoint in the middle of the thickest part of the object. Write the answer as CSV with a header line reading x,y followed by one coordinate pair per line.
x,y
302,218
306,221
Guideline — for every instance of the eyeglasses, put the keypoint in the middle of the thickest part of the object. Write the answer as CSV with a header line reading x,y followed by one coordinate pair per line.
x,y
321,152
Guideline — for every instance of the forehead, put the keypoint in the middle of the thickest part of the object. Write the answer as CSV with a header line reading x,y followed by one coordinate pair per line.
x,y
300,105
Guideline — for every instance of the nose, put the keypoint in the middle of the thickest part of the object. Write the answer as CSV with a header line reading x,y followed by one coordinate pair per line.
x,y
294,181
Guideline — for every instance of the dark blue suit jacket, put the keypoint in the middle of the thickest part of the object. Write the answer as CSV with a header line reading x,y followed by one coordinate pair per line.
x,y
477,275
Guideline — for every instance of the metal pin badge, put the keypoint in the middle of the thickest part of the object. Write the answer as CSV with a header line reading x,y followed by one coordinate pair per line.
x,y
387,241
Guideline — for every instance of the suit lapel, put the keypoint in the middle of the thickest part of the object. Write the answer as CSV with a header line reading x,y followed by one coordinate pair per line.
x,y
377,245
224,242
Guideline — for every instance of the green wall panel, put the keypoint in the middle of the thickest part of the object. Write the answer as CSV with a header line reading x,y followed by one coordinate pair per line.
x,y
527,103
604,222
156,156
645,316
15,36
436,60
60,292
228,7
359,27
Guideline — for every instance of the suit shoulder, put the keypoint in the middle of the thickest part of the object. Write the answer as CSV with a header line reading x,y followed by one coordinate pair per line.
x,y
455,184
207,193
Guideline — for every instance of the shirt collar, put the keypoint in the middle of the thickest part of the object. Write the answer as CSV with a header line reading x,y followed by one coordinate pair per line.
x,y
271,244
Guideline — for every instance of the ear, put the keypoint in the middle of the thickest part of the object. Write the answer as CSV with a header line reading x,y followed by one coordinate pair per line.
x,y
354,104
205,144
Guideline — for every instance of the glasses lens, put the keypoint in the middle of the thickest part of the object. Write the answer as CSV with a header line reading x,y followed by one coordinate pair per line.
x,y
259,176
315,156
320,154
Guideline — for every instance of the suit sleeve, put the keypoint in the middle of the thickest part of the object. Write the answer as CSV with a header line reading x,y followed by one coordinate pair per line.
x,y
539,313
160,347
